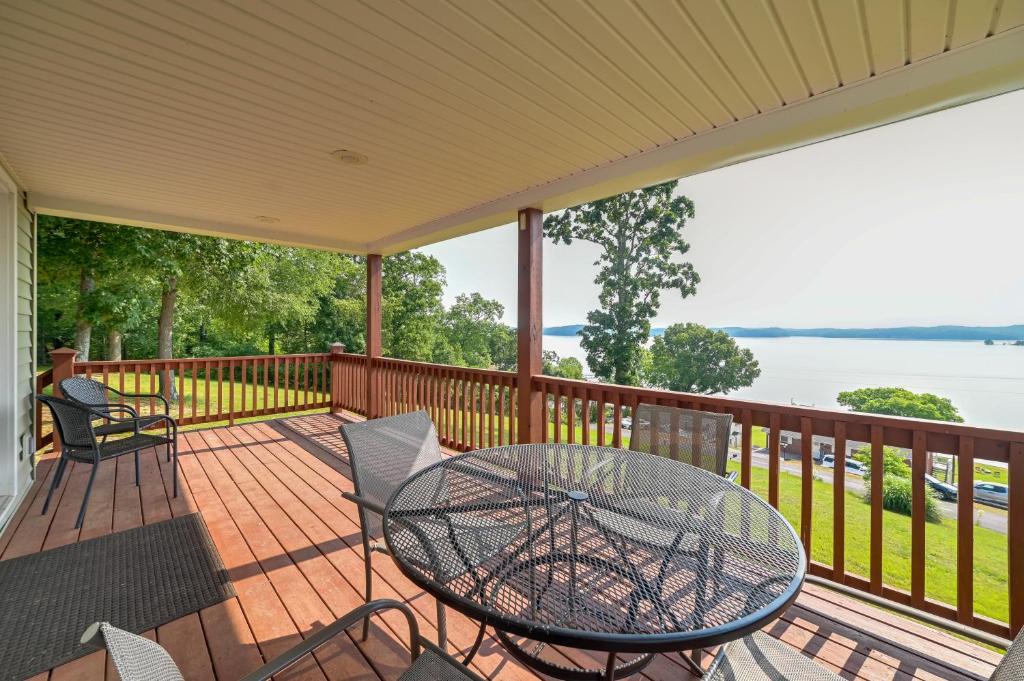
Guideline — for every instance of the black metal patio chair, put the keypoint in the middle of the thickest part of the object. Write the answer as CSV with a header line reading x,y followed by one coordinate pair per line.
x,y
109,401
73,422
699,438
383,454
140,659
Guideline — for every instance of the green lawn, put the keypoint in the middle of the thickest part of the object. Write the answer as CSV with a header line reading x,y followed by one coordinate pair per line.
x,y
254,399
990,547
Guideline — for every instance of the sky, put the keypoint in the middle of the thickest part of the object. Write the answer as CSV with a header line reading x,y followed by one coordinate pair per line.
x,y
914,223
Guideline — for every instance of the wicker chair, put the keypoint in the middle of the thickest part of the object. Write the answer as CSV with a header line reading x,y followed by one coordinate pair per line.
x,y
698,438
73,422
759,657
108,401
383,454
139,659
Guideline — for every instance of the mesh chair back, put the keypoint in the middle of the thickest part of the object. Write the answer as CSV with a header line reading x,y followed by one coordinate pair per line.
x,y
698,438
384,453
1011,668
86,391
138,658
72,420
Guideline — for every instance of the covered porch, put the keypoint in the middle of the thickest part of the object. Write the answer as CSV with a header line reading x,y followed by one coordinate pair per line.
x,y
270,493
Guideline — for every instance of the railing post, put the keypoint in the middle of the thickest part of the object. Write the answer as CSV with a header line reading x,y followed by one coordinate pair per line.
x,y
63,367
373,331
530,325
337,350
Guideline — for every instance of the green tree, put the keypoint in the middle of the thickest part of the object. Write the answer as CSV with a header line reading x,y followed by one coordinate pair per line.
x,y
92,264
640,237
474,330
894,462
412,286
695,359
563,367
900,402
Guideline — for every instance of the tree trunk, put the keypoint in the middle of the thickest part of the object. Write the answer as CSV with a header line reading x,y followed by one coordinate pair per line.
x,y
83,325
114,338
165,334
272,341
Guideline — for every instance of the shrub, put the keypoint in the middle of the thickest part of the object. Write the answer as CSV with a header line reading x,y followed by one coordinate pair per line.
x,y
898,496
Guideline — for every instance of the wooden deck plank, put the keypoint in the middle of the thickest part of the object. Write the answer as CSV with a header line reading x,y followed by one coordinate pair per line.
x,y
309,482
290,543
269,620
335,595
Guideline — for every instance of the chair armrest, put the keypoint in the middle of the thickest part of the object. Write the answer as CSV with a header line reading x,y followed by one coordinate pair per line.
x,y
365,503
321,637
731,477
158,396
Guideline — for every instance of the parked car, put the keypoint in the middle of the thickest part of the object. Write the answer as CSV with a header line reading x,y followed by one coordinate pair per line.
x,y
627,423
992,493
942,490
854,467
828,461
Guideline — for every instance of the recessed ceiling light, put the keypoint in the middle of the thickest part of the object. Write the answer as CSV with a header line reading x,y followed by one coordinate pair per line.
x,y
353,158
267,219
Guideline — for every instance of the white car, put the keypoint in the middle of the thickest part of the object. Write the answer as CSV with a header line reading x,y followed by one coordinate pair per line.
x,y
992,493
627,423
854,467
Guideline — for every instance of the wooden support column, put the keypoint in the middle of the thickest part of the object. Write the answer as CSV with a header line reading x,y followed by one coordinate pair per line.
x,y
529,359
63,361
337,350
373,342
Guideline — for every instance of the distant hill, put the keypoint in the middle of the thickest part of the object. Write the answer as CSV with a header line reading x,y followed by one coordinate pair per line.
x,y
976,333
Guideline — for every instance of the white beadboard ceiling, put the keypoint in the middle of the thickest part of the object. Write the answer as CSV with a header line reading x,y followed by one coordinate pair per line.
x,y
202,115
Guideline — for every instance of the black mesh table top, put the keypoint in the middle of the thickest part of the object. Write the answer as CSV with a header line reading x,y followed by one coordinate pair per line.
x,y
594,547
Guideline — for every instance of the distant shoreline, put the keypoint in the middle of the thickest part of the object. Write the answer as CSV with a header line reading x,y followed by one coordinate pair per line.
x,y
1013,332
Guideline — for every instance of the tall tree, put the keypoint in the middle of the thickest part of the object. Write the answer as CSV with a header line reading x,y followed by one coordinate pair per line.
x,y
90,256
900,402
412,286
695,359
474,329
640,236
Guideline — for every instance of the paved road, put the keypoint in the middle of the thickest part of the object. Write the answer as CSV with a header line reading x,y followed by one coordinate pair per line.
x,y
988,517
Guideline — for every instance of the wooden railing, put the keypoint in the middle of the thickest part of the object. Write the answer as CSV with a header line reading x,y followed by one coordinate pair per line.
x,y
205,389
474,408
576,411
471,408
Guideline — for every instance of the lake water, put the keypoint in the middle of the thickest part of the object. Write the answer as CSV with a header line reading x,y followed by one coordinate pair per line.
x,y
986,383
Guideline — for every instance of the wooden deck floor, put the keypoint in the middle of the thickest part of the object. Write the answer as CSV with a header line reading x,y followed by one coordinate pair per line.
x,y
270,494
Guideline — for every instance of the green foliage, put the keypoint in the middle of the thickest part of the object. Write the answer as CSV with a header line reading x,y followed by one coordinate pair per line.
x,y
474,331
894,462
222,297
640,237
695,359
898,496
563,367
900,402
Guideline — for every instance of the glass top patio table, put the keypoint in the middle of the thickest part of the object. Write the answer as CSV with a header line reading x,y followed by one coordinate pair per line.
x,y
610,550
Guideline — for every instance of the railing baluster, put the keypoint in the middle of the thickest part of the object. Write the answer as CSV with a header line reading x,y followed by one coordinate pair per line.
x,y
746,447
965,532
877,466
1015,535
806,482
774,435
839,503
917,519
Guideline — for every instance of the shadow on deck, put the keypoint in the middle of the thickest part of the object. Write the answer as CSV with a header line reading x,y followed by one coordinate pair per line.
x,y
271,496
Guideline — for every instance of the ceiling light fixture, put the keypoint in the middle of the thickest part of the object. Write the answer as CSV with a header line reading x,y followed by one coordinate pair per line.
x,y
352,158
267,219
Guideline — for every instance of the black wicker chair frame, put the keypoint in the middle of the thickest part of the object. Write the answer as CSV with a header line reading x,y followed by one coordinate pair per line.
x,y
109,401
73,422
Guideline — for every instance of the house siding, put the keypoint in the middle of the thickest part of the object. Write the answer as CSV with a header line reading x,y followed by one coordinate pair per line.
x,y
26,336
